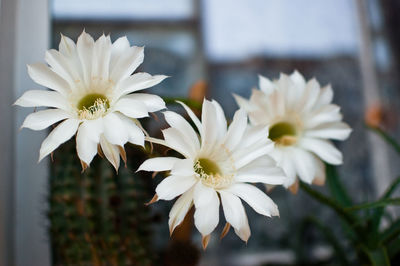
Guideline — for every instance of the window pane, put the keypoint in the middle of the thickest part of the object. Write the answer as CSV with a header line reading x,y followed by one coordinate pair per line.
x,y
297,28
123,9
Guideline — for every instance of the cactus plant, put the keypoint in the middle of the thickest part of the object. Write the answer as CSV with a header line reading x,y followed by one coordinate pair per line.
x,y
98,217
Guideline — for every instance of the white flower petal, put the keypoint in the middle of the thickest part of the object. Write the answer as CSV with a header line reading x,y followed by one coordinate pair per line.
x,y
101,58
110,151
43,75
244,103
42,98
173,186
118,49
305,165
138,81
178,122
114,130
246,155
183,167
298,79
326,114
45,118
325,96
175,140
261,170
135,134
158,164
131,108
206,215
63,66
126,64
152,102
235,214
257,199
180,209
221,120
322,148
86,147
335,130
208,134
192,116
85,46
58,136
265,84
236,129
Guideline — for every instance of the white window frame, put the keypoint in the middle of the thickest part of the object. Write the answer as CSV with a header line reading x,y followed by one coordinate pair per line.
x,y
24,238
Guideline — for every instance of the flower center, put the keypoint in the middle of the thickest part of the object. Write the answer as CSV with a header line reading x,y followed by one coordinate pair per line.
x,y
210,174
283,133
92,106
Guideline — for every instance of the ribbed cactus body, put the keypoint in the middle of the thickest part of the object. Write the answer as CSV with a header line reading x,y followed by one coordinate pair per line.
x,y
98,217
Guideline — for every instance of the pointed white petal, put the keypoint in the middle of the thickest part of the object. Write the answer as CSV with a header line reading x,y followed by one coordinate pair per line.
x,y
86,144
180,209
221,120
206,215
43,75
126,64
42,98
118,49
131,108
45,118
208,134
325,96
177,121
158,164
326,114
63,66
235,214
85,46
192,116
114,130
101,58
236,129
244,156
244,103
135,134
322,148
183,167
262,170
152,102
305,166
67,46
335,130
173,186
138,81
175,140
58,136
265,84
110,151
257,199
298,79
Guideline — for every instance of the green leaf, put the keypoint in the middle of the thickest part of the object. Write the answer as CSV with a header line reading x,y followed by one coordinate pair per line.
x,y
321,198
389,140
390,233
378,257
376,204
393,248
378,213
191,103
329,236
336,188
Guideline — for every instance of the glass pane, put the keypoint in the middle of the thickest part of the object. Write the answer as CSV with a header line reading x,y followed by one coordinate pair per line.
x,y
277,28
123,9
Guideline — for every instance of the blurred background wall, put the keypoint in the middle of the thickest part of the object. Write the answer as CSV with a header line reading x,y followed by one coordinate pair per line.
x,y
351,44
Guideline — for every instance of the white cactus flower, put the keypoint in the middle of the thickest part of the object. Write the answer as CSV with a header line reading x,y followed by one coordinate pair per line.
x,y
91,93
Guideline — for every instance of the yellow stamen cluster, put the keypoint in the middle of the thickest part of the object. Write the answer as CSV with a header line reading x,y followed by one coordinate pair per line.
x,y
94,111
210,175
